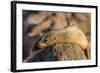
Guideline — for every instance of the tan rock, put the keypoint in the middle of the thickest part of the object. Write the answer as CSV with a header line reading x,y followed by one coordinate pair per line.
x,y
68,51
38,18
59,21
39,28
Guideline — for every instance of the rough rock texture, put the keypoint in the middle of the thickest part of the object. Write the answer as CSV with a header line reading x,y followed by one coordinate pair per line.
x,y
69,52
58,52
88,52
28,43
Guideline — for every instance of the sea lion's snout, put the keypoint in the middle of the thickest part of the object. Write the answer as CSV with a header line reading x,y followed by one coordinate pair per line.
x,y
42,45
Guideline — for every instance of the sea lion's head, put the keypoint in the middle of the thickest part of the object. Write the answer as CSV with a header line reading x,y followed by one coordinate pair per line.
x,y
47,40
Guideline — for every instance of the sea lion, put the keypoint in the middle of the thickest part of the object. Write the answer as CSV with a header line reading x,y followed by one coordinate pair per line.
x,y
71,34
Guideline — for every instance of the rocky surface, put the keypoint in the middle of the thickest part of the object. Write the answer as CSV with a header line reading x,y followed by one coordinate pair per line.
x,y
58,52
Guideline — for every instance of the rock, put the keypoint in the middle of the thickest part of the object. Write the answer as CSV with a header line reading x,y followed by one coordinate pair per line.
x,y
69,52
59,21
37,18
82,21
40,28
28,44
59,52
88,52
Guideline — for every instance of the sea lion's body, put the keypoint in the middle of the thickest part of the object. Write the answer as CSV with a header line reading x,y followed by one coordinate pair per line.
x,y
70,34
